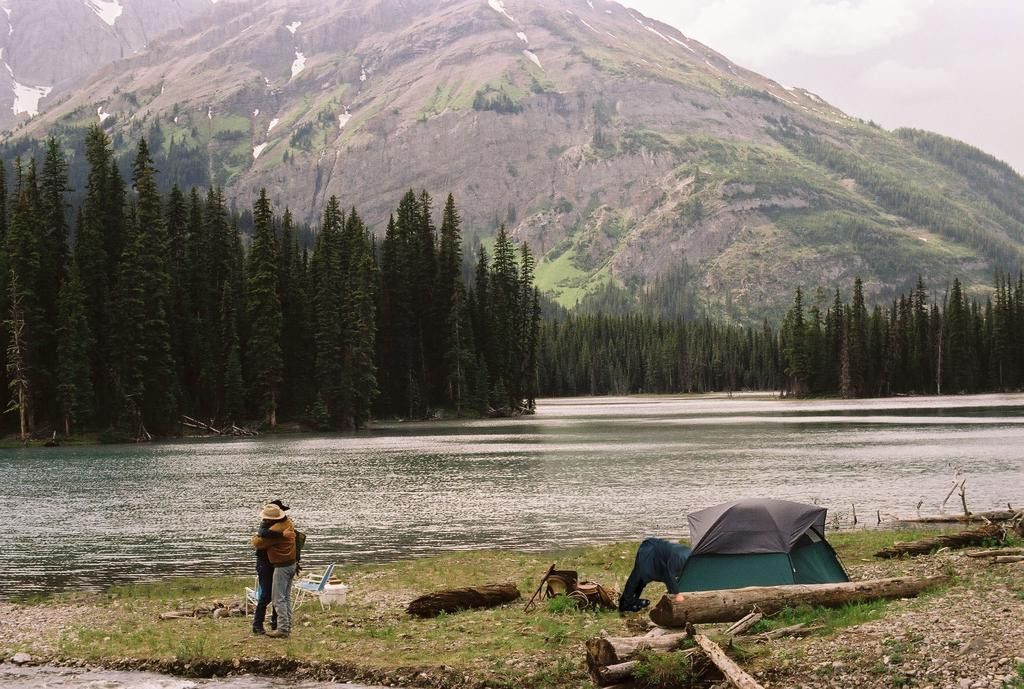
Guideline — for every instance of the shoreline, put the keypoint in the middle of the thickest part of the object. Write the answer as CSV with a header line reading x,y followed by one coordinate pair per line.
x,y
371,640
296,428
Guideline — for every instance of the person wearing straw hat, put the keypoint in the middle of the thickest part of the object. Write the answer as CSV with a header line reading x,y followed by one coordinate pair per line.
x,y
265,575
279,545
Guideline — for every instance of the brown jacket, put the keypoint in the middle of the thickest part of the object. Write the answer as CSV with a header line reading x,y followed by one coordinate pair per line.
x,y
280,551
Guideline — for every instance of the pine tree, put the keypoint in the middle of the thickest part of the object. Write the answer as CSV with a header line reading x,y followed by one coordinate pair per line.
x,y
73,355
264,314
24,264
327,298
358,316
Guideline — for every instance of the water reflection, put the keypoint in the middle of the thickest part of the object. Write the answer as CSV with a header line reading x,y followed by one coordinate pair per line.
x,y
580,471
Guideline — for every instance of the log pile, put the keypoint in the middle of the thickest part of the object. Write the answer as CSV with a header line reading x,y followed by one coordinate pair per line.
x,y
993,516
613,661
453,600
729,605
962,539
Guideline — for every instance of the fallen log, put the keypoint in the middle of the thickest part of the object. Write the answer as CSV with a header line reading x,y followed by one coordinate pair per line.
x,y
993,516
744,624
611,650
995,552
729,605
1007,559
732,672
453,600
962,539
612,674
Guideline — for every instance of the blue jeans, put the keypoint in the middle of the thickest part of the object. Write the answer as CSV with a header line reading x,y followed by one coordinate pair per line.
x,y
283,596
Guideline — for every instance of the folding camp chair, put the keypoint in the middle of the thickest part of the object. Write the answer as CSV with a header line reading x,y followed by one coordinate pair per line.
x,y
312,585
252,596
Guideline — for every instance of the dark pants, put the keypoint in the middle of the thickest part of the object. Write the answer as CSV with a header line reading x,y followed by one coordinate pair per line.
x,y
656,560
265,572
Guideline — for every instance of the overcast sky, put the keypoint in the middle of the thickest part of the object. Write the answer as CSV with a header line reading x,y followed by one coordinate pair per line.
x,y
952,66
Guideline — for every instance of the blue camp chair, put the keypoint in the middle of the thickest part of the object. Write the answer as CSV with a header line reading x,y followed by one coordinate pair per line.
x,y
312,585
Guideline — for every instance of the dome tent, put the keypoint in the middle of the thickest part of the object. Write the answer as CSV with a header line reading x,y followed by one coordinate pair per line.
x,y
759,542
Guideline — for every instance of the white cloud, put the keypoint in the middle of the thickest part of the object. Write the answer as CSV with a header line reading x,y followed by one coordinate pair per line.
x,y
905,81
758,32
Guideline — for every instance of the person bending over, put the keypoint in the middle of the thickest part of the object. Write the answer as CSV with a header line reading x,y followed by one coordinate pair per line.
x,y
656,560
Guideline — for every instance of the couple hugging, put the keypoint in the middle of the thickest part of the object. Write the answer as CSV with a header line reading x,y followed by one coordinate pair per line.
x,y
278,546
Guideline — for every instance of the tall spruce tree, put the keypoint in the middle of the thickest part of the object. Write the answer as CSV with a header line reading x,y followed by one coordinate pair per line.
x,y
264,314
74,373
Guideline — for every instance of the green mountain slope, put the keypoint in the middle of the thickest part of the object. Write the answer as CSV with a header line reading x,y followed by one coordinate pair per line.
x,y
618,147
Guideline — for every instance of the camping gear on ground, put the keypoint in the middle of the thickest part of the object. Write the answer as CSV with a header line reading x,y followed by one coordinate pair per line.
x,y
453,600
656,560
312,585
565,582
759,542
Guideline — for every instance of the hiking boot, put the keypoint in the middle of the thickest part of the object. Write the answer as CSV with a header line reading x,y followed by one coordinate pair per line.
x,y
258,631
277,634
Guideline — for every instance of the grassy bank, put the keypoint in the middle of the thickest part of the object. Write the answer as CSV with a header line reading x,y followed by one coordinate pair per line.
x,y
370,638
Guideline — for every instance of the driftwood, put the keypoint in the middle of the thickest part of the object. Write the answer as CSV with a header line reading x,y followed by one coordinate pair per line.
x,y
453,600
612,650
733,672
612,675
994,516
928,545
996,552
794,630
745,624
729,605
233,429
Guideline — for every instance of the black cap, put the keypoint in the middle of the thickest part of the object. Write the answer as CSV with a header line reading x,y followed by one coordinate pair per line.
x,y
284,507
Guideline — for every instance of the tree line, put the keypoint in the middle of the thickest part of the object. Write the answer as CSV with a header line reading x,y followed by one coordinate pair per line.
x,y
140,307
917,344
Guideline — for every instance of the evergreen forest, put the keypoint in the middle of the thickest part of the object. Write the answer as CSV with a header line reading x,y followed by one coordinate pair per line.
x,y
135,309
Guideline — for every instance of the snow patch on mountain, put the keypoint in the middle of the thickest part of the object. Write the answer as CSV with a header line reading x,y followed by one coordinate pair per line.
x,y
293,27
256,112
10,24
26,98
522,37
499,7
298,64
107,10
343,119
273,123
104,116
533,58
362,74
256,150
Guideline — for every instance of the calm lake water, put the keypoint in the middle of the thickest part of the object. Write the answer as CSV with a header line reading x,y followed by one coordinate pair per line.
x,y
74,678
580,471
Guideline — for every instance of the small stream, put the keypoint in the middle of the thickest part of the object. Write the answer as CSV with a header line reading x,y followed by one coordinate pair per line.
x,y
44,677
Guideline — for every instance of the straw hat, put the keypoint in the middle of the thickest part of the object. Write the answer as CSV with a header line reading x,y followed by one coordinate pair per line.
x,y
272,513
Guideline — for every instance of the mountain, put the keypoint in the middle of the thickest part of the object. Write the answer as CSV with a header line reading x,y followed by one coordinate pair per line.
x,y
52,46
618,147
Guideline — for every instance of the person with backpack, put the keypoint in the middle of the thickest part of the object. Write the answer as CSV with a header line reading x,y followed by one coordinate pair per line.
x,y
277,539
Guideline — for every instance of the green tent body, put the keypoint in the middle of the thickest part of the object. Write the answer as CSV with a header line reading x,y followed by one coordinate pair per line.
x,y
759,542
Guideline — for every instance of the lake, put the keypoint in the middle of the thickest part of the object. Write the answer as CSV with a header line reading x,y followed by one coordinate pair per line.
x,y
580,471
